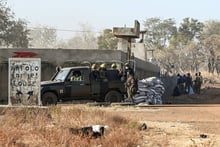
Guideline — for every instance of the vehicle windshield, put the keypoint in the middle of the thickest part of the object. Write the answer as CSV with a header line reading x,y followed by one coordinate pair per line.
x,y
61,75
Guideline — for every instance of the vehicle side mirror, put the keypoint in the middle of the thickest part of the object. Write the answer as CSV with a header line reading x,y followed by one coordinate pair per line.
x,y
58,68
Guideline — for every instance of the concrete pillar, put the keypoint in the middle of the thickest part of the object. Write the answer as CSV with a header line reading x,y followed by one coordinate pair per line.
x,y
122,44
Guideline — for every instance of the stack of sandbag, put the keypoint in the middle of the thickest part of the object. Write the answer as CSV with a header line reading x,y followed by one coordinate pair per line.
x,y
150,91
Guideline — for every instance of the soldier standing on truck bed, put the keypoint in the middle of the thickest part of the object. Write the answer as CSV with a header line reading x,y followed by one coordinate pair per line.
x,y
94,73
113,73
103,72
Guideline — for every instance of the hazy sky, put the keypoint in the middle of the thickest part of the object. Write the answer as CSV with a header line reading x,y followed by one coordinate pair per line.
x,y
101,14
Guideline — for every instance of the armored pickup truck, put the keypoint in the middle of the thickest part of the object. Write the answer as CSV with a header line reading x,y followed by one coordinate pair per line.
x,y
77,83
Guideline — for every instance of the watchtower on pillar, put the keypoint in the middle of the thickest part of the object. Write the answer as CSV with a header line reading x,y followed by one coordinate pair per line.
x,y
127,34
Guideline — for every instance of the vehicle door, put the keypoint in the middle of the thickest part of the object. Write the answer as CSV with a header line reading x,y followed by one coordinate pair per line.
x,y
79,84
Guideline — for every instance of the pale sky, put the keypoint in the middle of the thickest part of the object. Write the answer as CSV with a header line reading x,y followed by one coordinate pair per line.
x,y
102,14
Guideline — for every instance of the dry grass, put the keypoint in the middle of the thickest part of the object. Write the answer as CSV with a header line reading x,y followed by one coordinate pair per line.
x,y
50,127
213,78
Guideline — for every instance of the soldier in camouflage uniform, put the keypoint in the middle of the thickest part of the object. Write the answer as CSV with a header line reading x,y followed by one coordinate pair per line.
x,y
131,88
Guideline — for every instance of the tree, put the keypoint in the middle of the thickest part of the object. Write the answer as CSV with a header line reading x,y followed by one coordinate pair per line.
x,y
107,40
211,42
212,45
167,60
76,42
189,30
84,39
159,32
61,44
17,35
211,27
194,56
43,37
12,32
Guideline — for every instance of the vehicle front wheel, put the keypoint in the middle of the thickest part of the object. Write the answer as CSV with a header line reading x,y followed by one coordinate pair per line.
x,y
49,98
113,96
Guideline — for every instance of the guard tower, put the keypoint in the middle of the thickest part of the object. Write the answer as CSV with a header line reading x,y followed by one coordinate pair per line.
x,y
128,34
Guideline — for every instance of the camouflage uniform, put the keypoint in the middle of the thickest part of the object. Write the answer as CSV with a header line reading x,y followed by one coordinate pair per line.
x,y
130,87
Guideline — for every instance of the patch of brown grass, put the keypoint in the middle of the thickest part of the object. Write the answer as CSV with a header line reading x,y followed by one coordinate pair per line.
x,y
210,78
50,127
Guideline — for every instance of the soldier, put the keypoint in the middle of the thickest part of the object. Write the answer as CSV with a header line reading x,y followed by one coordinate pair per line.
x,y
76,76
131,87
113,73
128,69
103,72
94,73
196,83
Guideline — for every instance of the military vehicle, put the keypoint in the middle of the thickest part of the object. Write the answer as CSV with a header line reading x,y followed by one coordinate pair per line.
x,y
62,87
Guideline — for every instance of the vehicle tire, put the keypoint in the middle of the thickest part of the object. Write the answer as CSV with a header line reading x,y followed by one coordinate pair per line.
x,y
113,96
49,98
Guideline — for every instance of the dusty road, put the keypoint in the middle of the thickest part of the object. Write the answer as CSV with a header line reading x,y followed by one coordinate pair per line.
x,y
190,125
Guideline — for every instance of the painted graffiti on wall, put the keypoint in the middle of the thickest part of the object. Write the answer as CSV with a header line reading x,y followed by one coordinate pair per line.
x,y
24,81
25,54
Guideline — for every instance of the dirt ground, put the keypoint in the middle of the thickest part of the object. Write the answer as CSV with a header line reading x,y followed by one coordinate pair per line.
x,y
194,120
178,126
210,94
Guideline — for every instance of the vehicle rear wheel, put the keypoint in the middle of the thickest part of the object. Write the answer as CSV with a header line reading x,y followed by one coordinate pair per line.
x,y
49,98
113,96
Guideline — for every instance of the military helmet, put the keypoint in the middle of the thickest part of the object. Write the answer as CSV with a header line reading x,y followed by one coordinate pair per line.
x,y
126,64
94,66
113,65
102,65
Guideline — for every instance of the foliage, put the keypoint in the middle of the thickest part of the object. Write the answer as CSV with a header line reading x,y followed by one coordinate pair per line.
x,y
191,58
167,60
179,47
195,56
159,32
13,32
189,30
107,40
17,35
84,39
211,27
212,45
43,37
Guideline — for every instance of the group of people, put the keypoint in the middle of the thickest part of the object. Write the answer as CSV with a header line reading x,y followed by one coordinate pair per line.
x,y
110,74
114,74
103,74
186,84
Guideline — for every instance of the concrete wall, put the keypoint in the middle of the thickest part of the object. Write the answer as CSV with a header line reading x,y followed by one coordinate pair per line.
x,y
50,58
139,51
58,56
